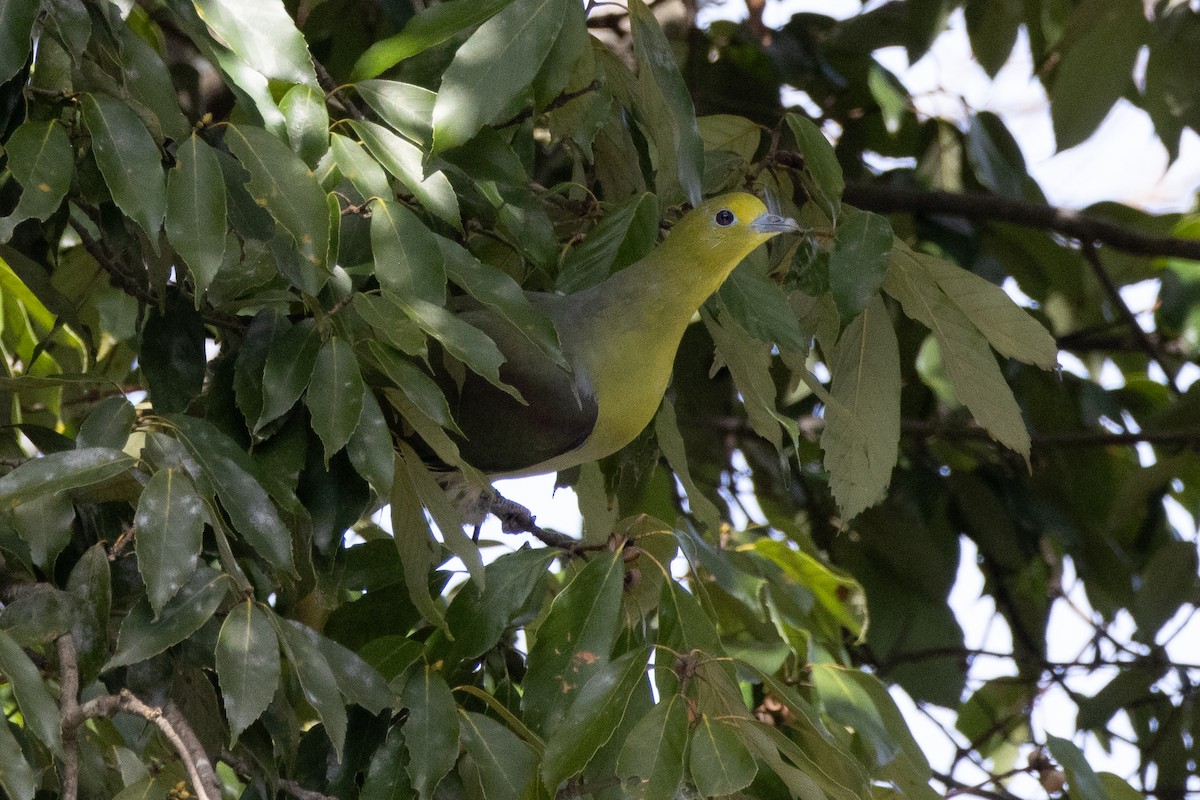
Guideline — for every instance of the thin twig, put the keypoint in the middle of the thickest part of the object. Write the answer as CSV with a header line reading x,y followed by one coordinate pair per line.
x,y
557,102
1092,256
334,94
68,709
289,785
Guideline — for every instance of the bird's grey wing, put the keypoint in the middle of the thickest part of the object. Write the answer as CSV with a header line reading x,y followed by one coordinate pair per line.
x,y
500,434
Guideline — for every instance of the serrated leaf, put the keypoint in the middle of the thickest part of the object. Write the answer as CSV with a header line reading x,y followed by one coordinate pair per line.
x,y
248,666
195,221
227,471
858,261
505,763
670,441
281,183
307,119
43,162
653,753
822,173
291,359
667,105
60,472
760,306
251,360
408,109
405,162
386,778
862,422
418,387
358,681
335,395
498,291
431,732
263,35
968,359
128,159
593,716
414,541
444,513
46,523
317,680
430,27
719,761
625,235
370,446
408,261
461,340
16,29
1008,327
731,133
37,706
170,528
498,62
573,641
143,635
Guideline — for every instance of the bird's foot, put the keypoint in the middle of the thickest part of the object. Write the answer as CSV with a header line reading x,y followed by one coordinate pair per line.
x,y
516,518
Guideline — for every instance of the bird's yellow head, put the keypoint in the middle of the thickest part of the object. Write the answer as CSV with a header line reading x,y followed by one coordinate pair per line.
x,y
723,230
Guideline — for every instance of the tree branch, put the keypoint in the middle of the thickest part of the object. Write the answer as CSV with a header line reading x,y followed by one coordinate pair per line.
x,y
170,723
289,785
1082,438
876,197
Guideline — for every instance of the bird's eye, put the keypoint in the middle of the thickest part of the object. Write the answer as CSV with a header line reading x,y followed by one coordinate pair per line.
x,y
725,217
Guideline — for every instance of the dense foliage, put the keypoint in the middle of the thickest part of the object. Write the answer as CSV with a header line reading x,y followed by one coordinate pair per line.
x,y
231,234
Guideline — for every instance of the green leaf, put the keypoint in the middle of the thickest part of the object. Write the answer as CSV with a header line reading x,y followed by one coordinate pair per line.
x,y
431,731
408,109
623,236
170,528
862,420
59,472
335,394
573,641
358,681
839,594
761,307
414,543
1008,327
968,360
478,618
593,716
1082,781
1168,582
195,222
822,176
497,63
317,680
144,635
730,133
291,359
444,513
386,777
408,261
108,425
47,523
464,342
505,763
225,469
17,778
307,122
16,30
37,706
405,162
171,354
858,261
43,162
370,446
1096,69
128,159
358,167
247,661
418,387
667,107
719,762
992,26
434,25
252,358
653,753
281,183
670,441
498,291
90,582
263,35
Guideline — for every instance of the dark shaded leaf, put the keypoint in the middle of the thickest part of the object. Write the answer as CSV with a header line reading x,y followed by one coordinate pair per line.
x,y
43,162
128,159
505,763
653,753
172,355
170,526
37,706
718,761
143,635
289,366
408,261
247,662
59,472
317,680
858,261
108,425
195,222
335,395
431,732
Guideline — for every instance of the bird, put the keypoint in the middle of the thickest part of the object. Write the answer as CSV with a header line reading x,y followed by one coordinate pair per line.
x,y
619,338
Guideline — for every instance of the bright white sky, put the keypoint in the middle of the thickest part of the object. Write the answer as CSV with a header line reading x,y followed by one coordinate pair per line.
x,y
1123,161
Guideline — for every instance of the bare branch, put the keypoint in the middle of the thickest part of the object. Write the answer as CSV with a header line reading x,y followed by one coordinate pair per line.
x,y
68,709
876,197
